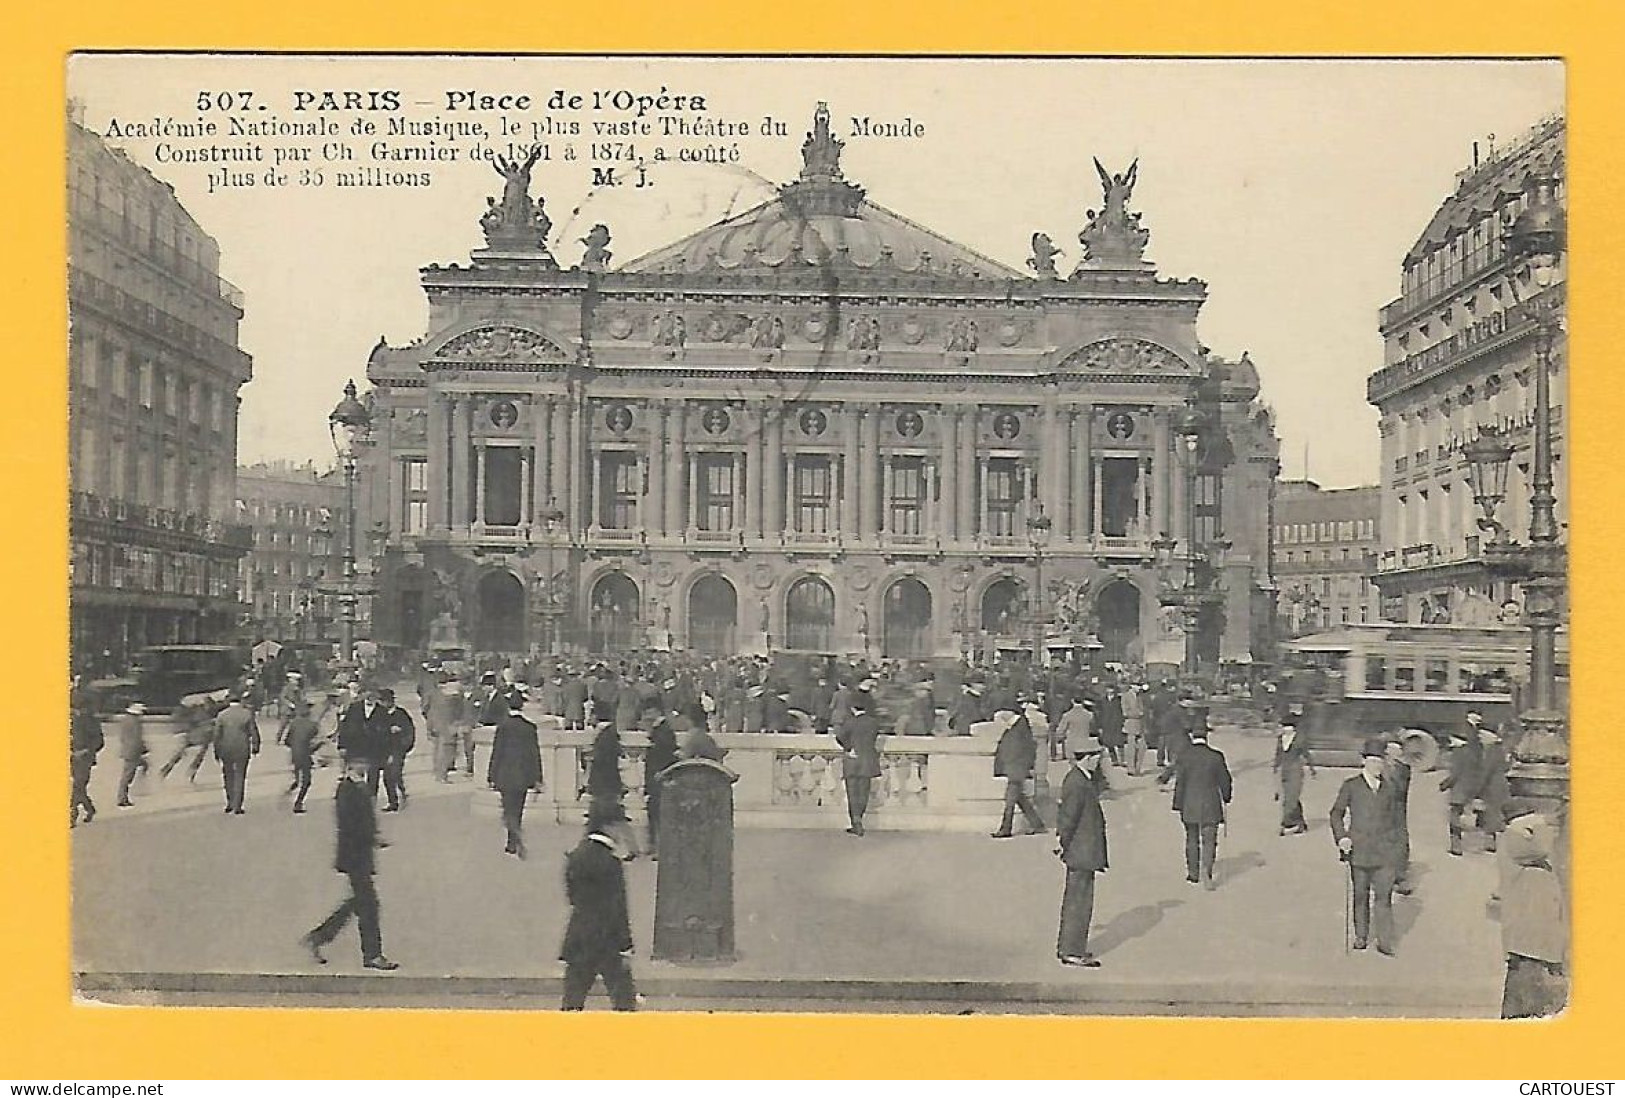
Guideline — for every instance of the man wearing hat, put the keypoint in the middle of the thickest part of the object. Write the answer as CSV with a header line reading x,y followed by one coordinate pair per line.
x,y
301,739
132,747
1397,776
357,841
1201,790
598,938
860,765
236,741
966,710
1362,821
1488,786
1292,761
574,696
287,704
1534,915
776,710
400,736
1076,726
1461,764
515,768
84,744
446,714
1014,760
363,734
1080,832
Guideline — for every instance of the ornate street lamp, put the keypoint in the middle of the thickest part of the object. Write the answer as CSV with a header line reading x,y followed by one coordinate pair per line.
x,y
348,424
1038,531
1535,241
1488,456
1198,589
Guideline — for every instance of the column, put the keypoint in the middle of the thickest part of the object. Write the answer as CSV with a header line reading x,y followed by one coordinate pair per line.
x,y
1159,472
479,485
773,510
1178,502
691,517
868,470
573,503
558,485
652,513
676,460
1143,484
1098,480
948,462
541,407
1084,521
524,486
439,429
1063,474
739,490
968,439
595,502
461,453
981,494
849,472
756,423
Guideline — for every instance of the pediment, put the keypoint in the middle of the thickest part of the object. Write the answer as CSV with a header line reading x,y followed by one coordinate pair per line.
x,y
501,343
1126,355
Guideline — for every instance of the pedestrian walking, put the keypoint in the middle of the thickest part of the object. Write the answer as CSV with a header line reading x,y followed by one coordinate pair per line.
x,y
1201,790
1109,720
1534,917
1080,832
236,741
356,859
1292,762
400,736
1014,760
195,731
1362,821
132,748
301,735
860,763
1134,727
1076,726
1488,786
446,715
598,938
514,769
1461,764
85,742
363,735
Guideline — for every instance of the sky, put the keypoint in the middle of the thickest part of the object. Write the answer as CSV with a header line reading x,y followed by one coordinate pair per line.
x,y
1293,188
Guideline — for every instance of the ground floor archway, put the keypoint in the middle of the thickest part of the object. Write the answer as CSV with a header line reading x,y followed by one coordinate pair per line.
x,y
906,620
501,623
1117,608
613,612
713,616
1004,606
809,615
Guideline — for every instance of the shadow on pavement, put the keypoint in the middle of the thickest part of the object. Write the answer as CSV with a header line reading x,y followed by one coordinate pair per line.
x,y
1131,924
1228,869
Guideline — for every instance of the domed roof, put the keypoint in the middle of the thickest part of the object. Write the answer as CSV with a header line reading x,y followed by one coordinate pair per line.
x,y
821,221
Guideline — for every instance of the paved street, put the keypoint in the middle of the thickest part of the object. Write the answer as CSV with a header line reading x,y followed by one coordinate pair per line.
x,y
175,887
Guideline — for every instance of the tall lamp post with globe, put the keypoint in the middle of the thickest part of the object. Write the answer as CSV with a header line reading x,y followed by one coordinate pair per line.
x,y
1038,531
1200,588
348,424
1540,769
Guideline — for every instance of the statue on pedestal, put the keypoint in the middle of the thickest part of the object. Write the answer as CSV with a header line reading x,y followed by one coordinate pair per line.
x,y
517,222
1113,238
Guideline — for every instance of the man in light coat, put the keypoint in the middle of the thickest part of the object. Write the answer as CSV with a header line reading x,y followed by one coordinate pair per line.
x,y
132,748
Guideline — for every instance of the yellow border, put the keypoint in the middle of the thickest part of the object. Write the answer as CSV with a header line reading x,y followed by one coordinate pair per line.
x,y
43,1036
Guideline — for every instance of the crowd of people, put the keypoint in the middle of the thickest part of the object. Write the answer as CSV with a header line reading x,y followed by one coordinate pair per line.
x,y
1092,720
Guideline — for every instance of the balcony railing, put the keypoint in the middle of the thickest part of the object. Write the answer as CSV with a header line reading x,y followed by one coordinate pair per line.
x,y
97,293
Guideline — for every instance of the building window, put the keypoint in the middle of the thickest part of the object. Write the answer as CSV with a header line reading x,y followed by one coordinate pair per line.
x,y
1209,517
415,505
905,492
618,475
1376,673
1003,494
145,383
714,477
172,404
814,491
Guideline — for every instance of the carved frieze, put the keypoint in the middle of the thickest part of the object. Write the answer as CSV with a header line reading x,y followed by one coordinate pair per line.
x,y
1125,355
502,343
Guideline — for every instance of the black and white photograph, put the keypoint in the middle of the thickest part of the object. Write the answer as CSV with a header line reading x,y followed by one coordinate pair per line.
x,y
876,535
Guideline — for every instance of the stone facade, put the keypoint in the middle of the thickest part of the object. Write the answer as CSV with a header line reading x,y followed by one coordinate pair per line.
x,y
297,516
1326,543
815,426
1459,354
154,370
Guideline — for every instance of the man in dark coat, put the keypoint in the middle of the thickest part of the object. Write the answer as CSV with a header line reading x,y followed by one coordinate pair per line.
x,y
860,766
84,744
1461,764
357,839
301,734
1080,831
1201,790
598,939
514,770
1291,763
966,710
1013,760
363,735
236,741
1109,720
400,736
574,691
1489,788
661,753
1362,820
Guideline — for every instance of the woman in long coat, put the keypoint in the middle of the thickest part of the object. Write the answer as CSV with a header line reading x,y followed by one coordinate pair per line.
x,y
1291,762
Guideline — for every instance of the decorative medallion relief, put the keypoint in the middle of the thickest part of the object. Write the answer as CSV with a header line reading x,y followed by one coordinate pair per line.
x,y
502,343
1125,356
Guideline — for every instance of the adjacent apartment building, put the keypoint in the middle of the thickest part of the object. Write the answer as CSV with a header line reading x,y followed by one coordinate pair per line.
x,y
1459,351
1326,544
154,370
288,579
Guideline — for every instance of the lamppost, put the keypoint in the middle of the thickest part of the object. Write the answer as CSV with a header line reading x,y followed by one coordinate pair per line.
x,y
552,517
1199,591
348,423
1038,530
1540,766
